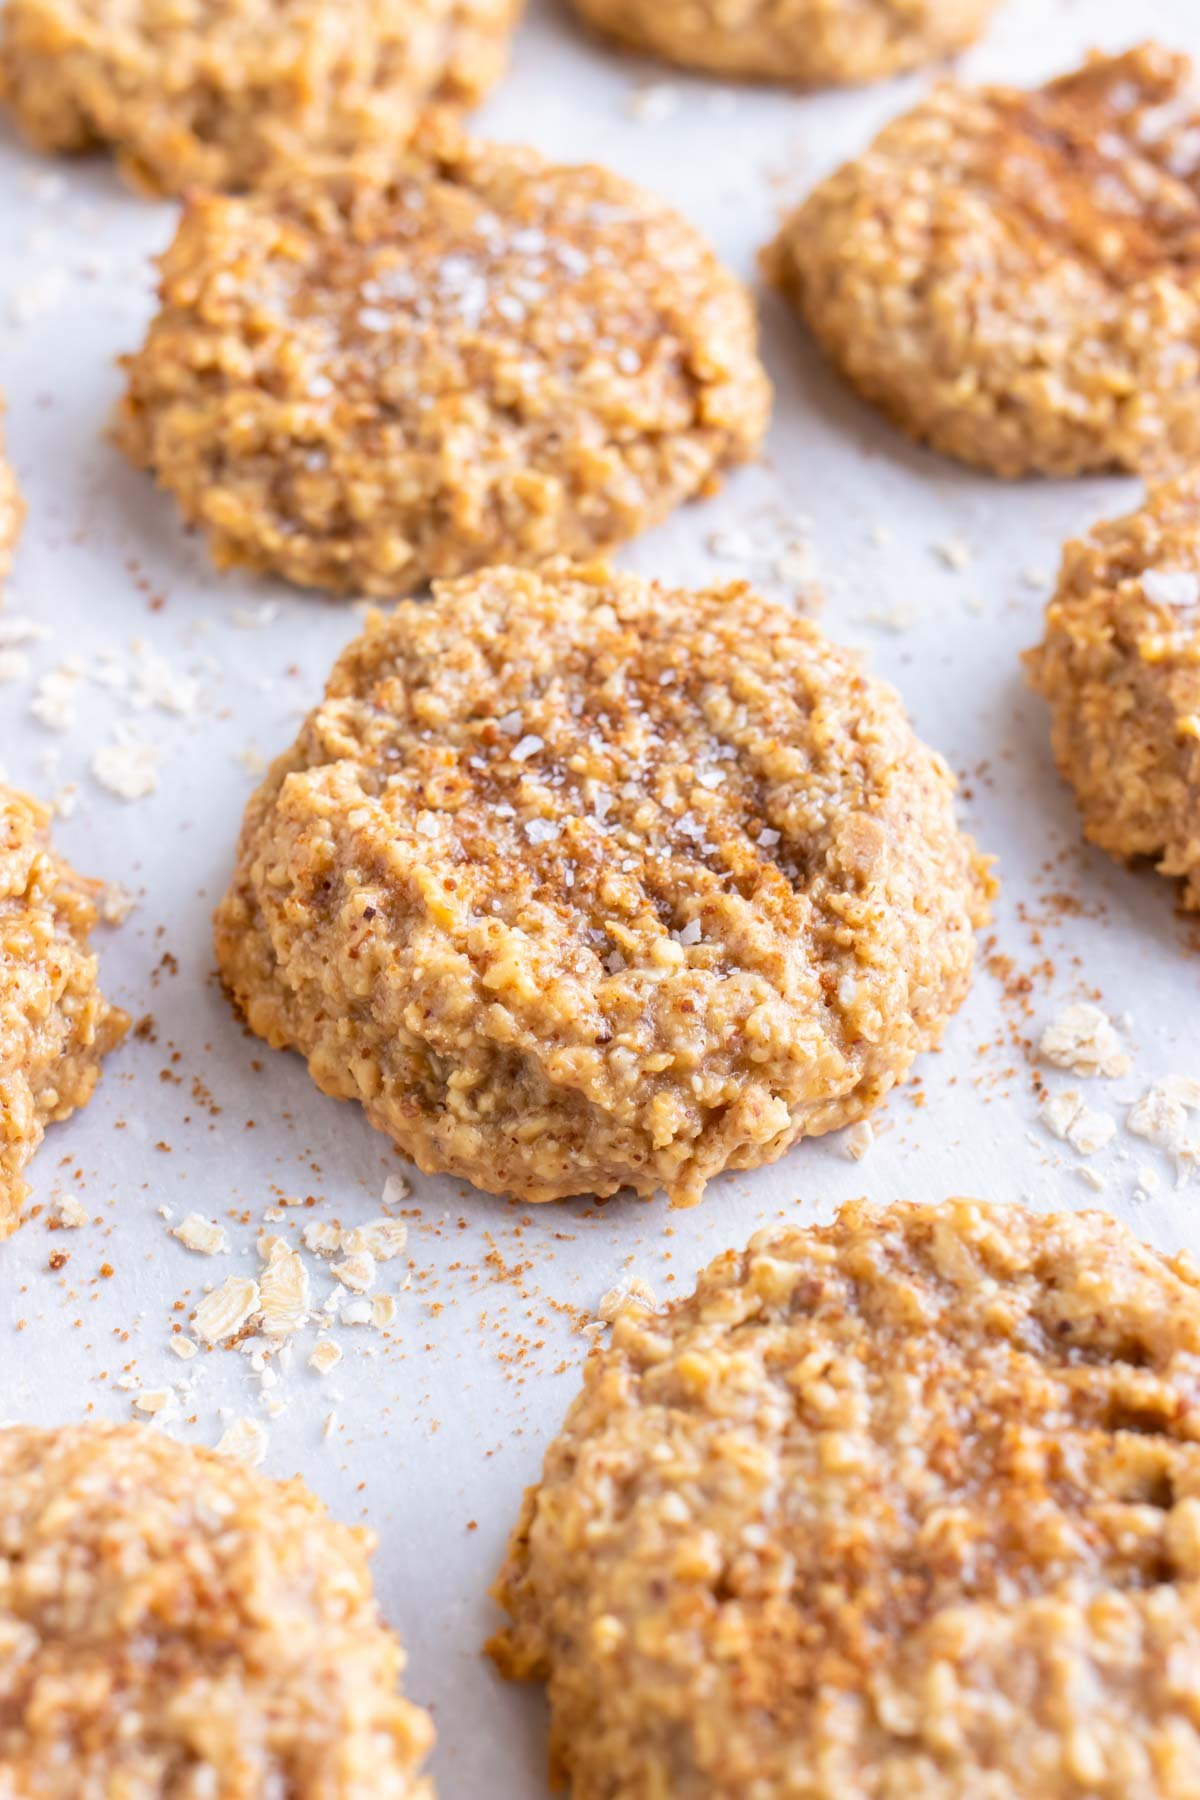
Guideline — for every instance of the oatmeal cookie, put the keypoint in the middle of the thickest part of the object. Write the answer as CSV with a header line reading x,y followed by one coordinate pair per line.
x,y
810,43
1120,668
1012,276
488,359
579,883
224,93
12,508
174,1624
55,1025
905,1505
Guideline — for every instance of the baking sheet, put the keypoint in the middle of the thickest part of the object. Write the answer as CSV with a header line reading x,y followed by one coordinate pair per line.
x,y
429,1430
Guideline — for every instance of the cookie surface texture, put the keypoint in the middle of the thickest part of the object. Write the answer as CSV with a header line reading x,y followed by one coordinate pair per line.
x,y
489,359
1120,669
55,1025
181,1625
577,882
227,93
1011,276
908,1504
809,43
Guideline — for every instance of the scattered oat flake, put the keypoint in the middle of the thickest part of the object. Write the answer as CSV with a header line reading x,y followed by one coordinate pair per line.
x,y
127,768
183,1347
156,684
322,1238
222,1313
954,553
70,1214
632,1292
383,1310
1161,1117
254,618
202,1235
651,104
325,1355
1084,1040
244,1441
1068,1117
857,1139
898,618
53,703
283,1291
155,1400
19,628
116,903
733,546
381,1239
356,1272
395,1189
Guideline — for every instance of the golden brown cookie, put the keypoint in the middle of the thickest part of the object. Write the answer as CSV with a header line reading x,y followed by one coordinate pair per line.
x,y
174,1624
489,359
223,93
581,883
810,43
1012,276
908,1505
55,1025
1120,668
12,508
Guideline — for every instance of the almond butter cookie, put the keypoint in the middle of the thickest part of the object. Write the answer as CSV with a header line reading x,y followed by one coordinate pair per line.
x,y
487,359
1012,276
174,1624
55,1025
810,43
1120,668
904,1505
580,883
222,93
12,509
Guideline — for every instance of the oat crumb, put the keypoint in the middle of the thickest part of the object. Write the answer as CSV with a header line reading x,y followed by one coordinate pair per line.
x,y
244,1441
1084,1040
202,1235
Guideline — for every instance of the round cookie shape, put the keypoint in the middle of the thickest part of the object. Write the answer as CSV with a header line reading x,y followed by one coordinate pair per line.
x,y
489,358
807,43
181,1625
1011,276
225,93
579,883
55,1025
908,1504
12,509
1119,666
